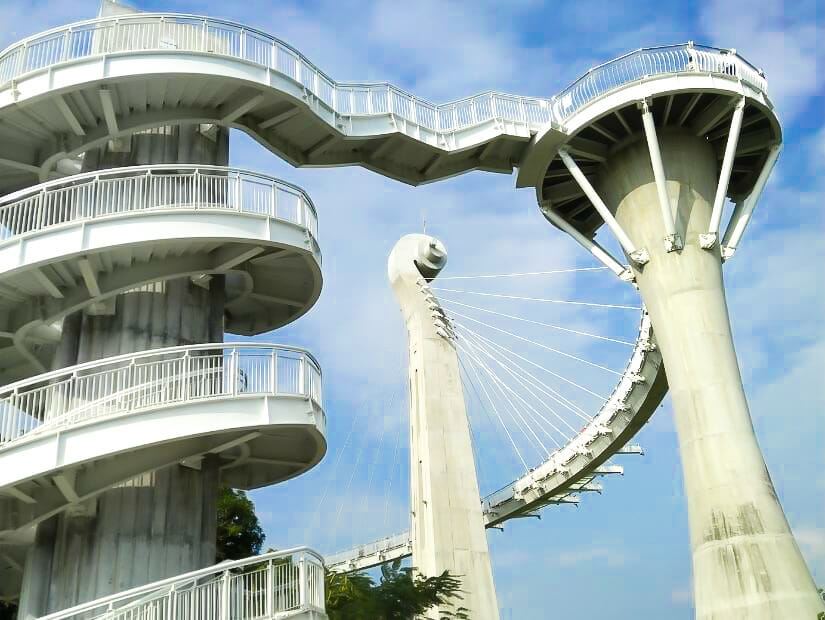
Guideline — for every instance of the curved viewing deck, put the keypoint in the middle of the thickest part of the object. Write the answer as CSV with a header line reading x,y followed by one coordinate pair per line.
x,y
78,241
120,191
257,406
89,73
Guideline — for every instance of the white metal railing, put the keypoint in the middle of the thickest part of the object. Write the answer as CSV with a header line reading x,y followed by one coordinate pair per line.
x,y
118,191
580,444
265,586
383,547
155,31
151,379
190,33
647,62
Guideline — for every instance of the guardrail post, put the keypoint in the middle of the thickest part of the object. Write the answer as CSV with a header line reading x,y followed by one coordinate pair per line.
x,y
197,187
302,376
273,371
225,595
302,582
65,51
270,590
238,194
233,371
185,378
171,603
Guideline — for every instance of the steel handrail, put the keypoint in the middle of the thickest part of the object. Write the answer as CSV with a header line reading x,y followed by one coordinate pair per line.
x,y
651,62
318,82
123,385
164,586
93,195
344,98
51,375
608,410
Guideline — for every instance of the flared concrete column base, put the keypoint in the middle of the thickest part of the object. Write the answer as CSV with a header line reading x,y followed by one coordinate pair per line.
x,y
746,563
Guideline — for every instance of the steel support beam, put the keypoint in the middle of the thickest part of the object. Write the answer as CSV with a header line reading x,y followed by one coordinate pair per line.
x,y
744,209
89,277
602,255
109,111
238,111
638,256
45,281
672,240
708,241
70,117
280,118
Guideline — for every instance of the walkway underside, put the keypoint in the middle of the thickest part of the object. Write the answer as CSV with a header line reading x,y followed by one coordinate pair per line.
x,y
35,134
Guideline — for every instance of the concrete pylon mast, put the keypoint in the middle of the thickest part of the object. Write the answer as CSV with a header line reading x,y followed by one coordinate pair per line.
x,y
654,162
447,524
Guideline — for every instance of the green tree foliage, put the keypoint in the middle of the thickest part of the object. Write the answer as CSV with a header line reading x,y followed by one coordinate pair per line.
x,y
239,531
399,595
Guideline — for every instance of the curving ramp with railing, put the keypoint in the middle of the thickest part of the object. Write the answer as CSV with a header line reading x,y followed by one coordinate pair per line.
x,y
279,584
88,82
72,243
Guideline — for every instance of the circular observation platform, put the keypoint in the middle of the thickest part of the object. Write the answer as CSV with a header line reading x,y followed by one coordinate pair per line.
x,y
683,89
69,435
76,243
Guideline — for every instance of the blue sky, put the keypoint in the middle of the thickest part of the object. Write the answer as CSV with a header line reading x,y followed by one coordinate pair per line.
x,y
622,554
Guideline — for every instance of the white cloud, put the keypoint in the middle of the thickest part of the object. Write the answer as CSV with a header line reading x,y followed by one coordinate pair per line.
x,y
812,541
784,39
681,596
598,555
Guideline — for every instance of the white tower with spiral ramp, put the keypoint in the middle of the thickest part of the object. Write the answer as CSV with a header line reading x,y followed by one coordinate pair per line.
x,y
122,411
447,525
653,158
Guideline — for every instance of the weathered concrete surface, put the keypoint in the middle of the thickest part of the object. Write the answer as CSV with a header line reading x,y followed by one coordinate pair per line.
x,y
162,523
447,524
746,563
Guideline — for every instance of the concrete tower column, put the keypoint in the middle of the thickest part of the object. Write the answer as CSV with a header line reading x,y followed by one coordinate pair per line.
x,y
746,563
162,523
447,523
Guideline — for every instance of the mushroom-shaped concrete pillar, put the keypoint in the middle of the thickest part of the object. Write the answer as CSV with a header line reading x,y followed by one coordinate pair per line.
x,y
447,524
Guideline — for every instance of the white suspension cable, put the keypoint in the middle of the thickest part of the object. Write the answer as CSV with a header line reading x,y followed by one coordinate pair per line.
x,y
548,301
527,387
539,366
334,470
533,409
388,485
479,463
538,344
518,318
513,275
349,485
371,468
498,415
499,385
554,394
